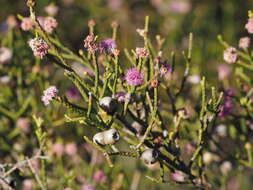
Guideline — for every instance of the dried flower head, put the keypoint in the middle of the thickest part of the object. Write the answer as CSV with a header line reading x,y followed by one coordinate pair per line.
x,y
141,52
39,47
107,45
249,26
134,77
244,42
154,83
27,24
90,43
91,23
49,94
230,55
114,24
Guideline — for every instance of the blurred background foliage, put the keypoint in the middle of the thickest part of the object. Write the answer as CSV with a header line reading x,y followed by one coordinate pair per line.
x,y
173,19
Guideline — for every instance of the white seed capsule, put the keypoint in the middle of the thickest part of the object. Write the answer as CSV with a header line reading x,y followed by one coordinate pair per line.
x,y
149,156
108,104
110,136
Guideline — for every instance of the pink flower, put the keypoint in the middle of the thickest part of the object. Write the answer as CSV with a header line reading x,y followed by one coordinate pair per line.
x,y
39,47
230,55
99,177
165,68
193,79
189,148
223,71
107,45
120,96
28,184
68,188
88,187
49,94
50,24
23,124
115,4
244,42
134,77
249,26
5,55
58,149
51,9
71,149
27,24
180,6
88,71
228,105
141,52
178,176
90,44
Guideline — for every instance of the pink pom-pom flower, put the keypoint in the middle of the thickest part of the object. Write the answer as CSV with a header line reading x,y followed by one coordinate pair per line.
x,y
49,94
39,47
134,77
230,55
249,26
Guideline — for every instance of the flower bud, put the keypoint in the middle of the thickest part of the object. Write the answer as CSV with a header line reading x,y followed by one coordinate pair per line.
x,y
110,136
149,156
108,104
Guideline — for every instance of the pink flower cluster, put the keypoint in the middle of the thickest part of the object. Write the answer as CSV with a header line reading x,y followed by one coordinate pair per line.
x,y
99,177
27,24
49,24
39,47
244,42
5,55
230,55
141,52
249,26
227,105
49,94
90,44
134,77
59,149
88,187
223,71
107,45
164,69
